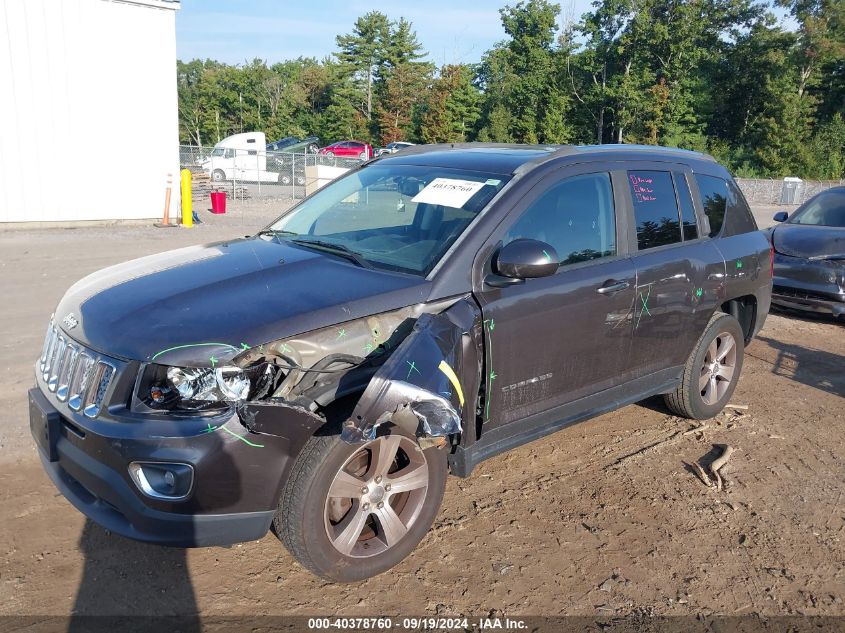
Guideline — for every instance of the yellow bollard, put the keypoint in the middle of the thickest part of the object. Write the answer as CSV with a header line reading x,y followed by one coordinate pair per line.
x,y
187,201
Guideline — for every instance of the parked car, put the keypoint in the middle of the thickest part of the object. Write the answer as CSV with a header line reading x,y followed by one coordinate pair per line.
x,y
355,149
280,145
290,162
419,315
809,265
392,148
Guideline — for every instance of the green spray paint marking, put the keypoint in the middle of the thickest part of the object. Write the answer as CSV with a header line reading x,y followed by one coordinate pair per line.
x,y
413,367
644,309
241,438
172,349
699,292
341,333
368,348
491,324
284,349
739,263
244,346
213,361
548,257
210,429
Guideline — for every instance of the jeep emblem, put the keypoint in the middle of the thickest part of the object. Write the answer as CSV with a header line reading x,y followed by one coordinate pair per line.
x,y
70,321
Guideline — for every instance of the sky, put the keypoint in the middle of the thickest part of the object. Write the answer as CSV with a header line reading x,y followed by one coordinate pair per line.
x,y
235,31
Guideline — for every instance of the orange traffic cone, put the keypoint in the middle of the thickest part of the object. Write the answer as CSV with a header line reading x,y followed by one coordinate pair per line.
x,y
165,221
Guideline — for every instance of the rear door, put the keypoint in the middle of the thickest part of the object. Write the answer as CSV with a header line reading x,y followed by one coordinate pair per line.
x,y
680,273
553,340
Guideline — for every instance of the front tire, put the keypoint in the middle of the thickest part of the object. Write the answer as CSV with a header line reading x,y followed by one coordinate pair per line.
x,y
352,511
218,175
711,372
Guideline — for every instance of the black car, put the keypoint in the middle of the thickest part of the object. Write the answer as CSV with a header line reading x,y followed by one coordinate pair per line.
x,y
809,272
291,160
422,313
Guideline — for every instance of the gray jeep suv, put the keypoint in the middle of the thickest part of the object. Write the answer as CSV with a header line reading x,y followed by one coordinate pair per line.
x,y
422,313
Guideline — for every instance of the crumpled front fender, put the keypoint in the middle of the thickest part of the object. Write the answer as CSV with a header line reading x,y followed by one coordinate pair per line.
x,y
429,384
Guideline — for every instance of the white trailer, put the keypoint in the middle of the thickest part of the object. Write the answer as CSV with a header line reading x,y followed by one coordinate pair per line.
x,y
240,157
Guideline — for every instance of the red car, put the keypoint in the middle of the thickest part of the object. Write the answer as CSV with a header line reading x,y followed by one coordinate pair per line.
x,y
357,149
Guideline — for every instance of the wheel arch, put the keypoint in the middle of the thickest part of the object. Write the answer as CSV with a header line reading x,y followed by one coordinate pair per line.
x,y
744,310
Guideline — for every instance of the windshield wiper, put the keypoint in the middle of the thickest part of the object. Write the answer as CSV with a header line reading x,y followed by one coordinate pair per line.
x,y
338,249
275,232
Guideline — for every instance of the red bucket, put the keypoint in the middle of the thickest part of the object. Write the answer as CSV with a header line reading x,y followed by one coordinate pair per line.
x,y
218,202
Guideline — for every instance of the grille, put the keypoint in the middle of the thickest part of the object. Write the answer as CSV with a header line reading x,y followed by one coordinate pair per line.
x,y
785,291
73,373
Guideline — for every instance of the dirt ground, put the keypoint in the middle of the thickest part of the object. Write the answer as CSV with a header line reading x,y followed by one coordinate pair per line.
x,y
603,518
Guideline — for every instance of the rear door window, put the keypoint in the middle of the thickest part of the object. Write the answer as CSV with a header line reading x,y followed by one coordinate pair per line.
x,y
714,199
655,208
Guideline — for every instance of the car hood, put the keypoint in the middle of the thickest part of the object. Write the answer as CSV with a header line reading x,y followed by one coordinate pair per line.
x,y
806,241
226,296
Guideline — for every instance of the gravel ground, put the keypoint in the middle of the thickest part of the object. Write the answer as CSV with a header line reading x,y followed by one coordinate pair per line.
x,y
603,518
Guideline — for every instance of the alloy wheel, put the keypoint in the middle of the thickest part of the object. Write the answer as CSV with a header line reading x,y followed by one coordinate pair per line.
x,y
376,496
717,372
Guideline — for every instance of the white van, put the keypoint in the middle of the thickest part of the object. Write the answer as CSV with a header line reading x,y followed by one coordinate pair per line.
x,y
240,157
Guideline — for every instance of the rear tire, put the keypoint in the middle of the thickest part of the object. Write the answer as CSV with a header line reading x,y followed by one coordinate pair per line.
x,y
341,536
218,175
711,372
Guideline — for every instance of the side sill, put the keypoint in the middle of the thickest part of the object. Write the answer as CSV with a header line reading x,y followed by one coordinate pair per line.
x,y
502,439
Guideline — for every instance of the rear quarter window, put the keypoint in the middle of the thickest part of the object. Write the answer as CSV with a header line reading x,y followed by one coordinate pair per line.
x,y
738,218
714,200
724,206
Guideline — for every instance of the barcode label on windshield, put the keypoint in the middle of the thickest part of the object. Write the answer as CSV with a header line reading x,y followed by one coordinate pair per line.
x,y
449,192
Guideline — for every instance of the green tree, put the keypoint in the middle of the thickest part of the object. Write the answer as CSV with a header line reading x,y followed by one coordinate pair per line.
x,y
403,92
452,107
363,52
522,78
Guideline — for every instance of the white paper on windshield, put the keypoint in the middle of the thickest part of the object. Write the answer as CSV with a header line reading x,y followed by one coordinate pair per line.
x,y
450,192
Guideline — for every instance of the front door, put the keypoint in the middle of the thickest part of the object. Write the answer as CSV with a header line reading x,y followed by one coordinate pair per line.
x,y
553,340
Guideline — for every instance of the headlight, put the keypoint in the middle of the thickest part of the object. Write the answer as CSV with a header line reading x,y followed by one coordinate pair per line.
x,y
202,388
209,385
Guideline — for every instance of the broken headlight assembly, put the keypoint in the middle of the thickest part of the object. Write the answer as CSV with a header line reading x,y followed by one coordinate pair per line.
x,y
200,389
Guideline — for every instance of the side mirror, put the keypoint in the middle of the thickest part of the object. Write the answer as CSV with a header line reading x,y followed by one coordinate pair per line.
x,y
781,216
527,259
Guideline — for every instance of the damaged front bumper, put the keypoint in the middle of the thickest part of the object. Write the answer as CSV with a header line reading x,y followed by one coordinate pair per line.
x,y
232,477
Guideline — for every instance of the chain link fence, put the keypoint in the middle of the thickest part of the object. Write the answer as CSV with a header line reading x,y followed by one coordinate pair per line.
x,y
256,174
769,191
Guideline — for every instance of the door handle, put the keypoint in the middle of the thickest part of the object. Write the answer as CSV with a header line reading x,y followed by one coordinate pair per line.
x,y
612,286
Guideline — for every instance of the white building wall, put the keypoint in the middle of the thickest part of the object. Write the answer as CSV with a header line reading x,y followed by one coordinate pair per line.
x,y
89,124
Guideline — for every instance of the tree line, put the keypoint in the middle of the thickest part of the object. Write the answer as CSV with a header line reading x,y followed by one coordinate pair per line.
x,y
720,76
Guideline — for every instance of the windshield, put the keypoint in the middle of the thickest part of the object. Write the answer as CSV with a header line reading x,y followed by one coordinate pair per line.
x,y
826,209
400,217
